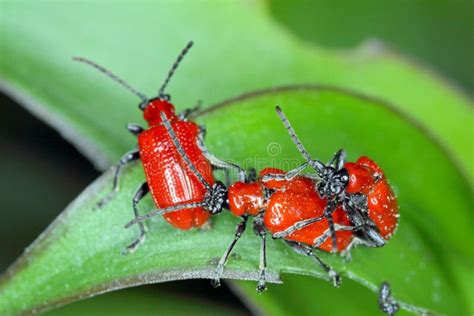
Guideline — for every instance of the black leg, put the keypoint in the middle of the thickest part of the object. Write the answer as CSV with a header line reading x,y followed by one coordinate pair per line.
x,y
357,211
339,159
162,211
304,223
216,162
387,303
191,111
135,129
297,226
356,241
129,157
251,175
220,267
328,213
142,190
286,176
346,252
227,179
259,230
308,251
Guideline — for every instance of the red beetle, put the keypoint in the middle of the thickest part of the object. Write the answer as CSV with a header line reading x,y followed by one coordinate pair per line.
x,y
360,188
303,211
168,177
277,206
273,206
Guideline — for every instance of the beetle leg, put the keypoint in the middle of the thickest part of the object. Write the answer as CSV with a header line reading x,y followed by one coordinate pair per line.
x,y
184,116
356,241
135,129
142,190
296,226
216,162
129,157
162,211
227,179
338,160
356,208
304,223
286,176
259,230
330,208
220,267
309,251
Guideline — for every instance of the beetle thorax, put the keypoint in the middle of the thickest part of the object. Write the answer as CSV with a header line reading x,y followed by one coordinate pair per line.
x,y
246,198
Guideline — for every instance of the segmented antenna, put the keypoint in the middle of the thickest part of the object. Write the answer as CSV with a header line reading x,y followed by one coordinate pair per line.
x,y
317,165
161,93
292,133
163,211
181,151
112,76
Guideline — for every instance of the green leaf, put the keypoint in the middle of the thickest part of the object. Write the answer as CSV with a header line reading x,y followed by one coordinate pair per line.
x,y
304,296
139,301
238,48
79,255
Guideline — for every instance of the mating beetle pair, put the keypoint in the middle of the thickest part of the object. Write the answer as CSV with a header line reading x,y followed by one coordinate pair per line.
x,y
339,206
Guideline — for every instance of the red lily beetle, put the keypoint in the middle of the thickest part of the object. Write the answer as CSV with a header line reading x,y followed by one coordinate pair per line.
x,y
360,188
168,178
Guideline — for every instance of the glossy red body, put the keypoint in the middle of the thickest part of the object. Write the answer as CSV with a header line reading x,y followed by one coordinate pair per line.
x,y
292,201
366,177
169,179
297,200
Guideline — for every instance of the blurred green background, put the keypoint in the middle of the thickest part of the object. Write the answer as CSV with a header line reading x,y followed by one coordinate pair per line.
x,y
42,173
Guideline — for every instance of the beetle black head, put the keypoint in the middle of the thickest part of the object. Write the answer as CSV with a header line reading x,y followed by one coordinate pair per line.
x,y
216,199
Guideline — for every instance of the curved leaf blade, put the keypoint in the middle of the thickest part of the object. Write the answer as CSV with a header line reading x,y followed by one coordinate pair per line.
x,y
79,255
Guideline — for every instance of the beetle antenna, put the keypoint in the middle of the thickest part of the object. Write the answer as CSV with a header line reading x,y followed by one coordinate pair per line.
x,y
112,76
183,53
181,151
313,163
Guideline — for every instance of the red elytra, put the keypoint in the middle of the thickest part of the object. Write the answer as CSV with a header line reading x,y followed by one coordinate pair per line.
x,y
286,208
366,177
170,181
297,184
296,200
293,200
